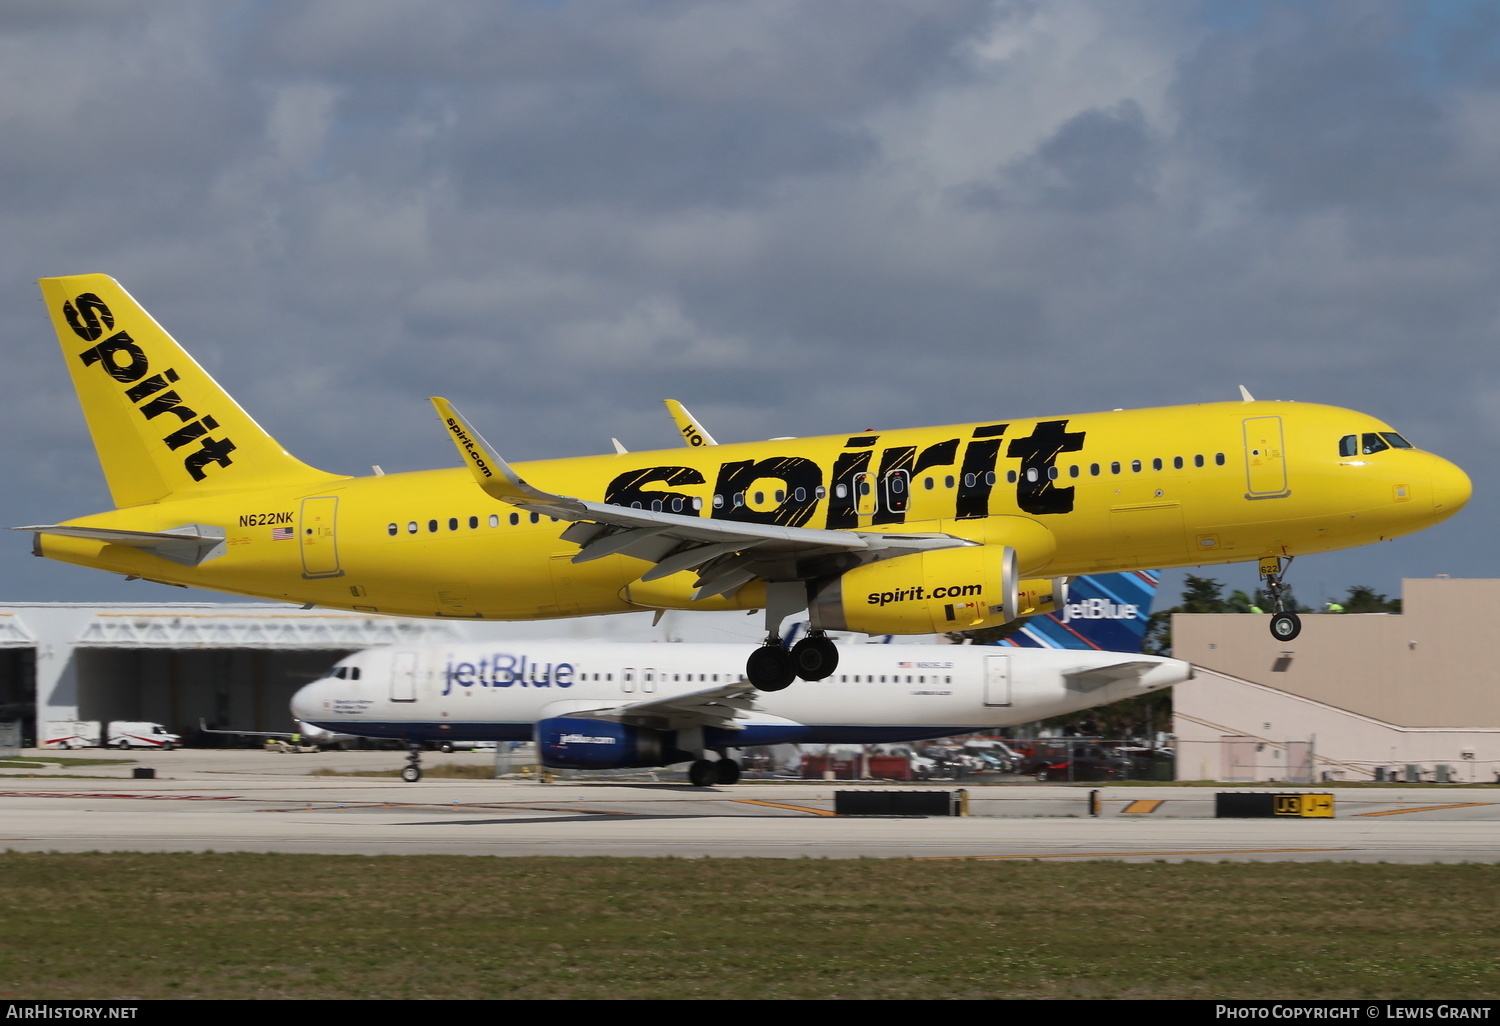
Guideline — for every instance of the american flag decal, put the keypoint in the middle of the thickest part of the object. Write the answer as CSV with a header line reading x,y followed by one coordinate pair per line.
x,y
281,534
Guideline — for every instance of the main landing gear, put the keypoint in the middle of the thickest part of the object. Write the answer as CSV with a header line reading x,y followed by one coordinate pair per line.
x,y
707,772
412,772
1285,625
773,668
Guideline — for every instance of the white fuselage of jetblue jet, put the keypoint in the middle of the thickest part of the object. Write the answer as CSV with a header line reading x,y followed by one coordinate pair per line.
x,y
694,698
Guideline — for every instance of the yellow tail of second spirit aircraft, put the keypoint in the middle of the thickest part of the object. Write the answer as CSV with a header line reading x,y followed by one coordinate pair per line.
x,y
161,425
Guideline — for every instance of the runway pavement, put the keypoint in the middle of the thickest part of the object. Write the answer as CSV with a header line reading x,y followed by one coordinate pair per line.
x,y
264,802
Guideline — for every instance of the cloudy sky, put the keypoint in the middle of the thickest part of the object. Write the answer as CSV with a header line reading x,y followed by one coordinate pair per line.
x,y
798,218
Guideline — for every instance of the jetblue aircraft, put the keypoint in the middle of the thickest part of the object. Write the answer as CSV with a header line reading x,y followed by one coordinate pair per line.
x,y
609,706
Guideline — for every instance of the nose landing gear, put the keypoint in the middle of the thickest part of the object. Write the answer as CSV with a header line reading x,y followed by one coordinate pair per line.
x,y
412,772
1285,625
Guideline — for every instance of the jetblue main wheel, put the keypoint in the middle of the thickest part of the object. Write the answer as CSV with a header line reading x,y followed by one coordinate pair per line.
x,y
703,773
815,658
1285,626
770,668
727,771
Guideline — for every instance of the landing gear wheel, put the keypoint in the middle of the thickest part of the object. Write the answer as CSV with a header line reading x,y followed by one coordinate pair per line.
x,y
1285,626
413,771
770,668
726,771
815,657
703,773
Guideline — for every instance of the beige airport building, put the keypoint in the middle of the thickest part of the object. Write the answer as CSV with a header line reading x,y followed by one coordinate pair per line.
x,y
1407,696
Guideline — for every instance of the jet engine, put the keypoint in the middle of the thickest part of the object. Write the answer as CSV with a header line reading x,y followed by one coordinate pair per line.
x,y
578,742
924,593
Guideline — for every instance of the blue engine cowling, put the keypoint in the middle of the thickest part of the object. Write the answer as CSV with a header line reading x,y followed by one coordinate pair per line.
x,y
574,742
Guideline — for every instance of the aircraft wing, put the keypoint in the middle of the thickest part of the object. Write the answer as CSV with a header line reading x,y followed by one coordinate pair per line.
x,y
728,554
710,707
1087,678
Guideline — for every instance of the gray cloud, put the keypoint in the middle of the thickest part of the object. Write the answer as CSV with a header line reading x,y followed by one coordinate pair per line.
x,y
797,218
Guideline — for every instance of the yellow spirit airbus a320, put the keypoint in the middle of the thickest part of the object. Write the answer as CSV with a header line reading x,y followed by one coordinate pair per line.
x,y
912,531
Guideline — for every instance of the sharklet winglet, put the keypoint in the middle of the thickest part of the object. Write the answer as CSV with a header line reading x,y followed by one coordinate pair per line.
x,y
490,471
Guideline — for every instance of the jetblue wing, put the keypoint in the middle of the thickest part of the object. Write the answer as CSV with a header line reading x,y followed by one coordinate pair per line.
x,y
727,554
1088,678
711,707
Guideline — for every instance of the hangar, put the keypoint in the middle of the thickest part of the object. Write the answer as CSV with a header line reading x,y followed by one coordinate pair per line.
x,y
1413,695
235,665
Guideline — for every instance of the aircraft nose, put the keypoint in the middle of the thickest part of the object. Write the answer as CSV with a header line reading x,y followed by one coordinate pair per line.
x,y
305,703
1451,487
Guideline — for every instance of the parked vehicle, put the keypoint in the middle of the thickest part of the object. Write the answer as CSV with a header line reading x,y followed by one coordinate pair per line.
x,y
114,734
1083,762
72,734
125,734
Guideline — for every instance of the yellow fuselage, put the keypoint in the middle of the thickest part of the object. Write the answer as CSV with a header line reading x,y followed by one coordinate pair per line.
x,y
1174,486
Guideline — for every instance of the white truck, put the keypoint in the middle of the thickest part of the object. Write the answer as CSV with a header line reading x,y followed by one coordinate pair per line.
x,y
115,734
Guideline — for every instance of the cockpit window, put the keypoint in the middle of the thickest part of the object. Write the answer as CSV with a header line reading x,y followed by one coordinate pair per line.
x,y
345,672
1372,443
1397,442
1348,445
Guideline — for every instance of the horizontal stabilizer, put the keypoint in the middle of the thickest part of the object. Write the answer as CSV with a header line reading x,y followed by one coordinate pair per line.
x,y
1089,678
189,545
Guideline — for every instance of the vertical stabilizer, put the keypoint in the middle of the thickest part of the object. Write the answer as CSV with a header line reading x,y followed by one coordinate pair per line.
x,y
161,425
1105,612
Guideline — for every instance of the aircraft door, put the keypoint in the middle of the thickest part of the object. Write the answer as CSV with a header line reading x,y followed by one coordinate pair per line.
x,y
1265,463
865,499
316,535
997,680
404,677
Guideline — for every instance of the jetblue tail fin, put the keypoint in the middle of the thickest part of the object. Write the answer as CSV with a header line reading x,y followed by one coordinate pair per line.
x,y
160,424
1107,612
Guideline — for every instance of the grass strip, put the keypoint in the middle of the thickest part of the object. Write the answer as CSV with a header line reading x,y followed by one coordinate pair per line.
x,y
142,926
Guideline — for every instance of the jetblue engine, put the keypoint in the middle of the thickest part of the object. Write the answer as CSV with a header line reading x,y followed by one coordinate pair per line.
x,y
577,742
